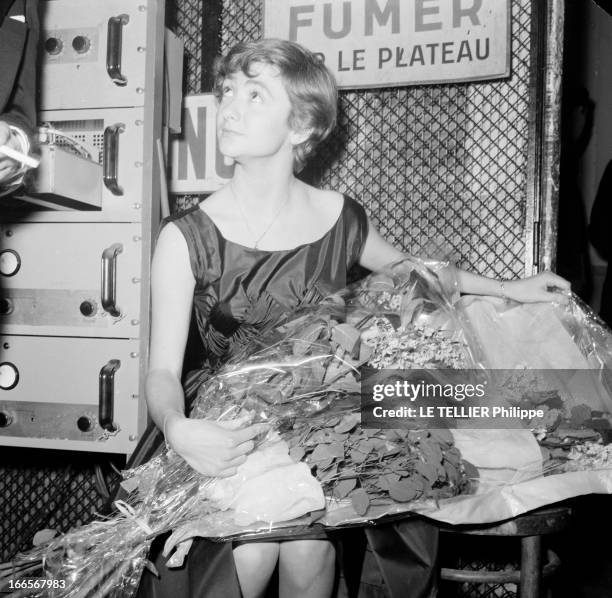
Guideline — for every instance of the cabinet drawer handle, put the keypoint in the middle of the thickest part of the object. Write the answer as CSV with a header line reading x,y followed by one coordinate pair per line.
x,y
106,403
109,279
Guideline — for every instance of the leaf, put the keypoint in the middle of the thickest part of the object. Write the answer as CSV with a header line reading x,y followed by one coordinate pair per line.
x,y
443,437
394,319
415,436
558,453
391,450
580,414
304,340
348,337
43,536
321,453
445,492
347,383
323,464
427,470
327,475
382,482
432,452
453,456
337,450
470,470
348,423
318,372
320,437
365,446
343,487
365,352
452,473
403,491
586,434
392,477
393,435
360,501
379,445
358,457
420,483
336,369
297,453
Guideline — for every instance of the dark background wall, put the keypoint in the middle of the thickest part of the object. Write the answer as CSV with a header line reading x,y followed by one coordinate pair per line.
x,y
587,138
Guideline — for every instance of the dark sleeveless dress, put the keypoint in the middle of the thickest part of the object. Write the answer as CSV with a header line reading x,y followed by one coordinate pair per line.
x,y
240,292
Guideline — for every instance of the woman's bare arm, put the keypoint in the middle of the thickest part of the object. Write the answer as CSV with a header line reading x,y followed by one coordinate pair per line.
x,y
546,286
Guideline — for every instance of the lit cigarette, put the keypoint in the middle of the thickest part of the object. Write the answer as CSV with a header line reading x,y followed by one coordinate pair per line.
x,y
20,157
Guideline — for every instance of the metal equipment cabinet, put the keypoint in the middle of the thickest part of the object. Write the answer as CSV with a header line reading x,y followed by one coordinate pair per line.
x,y
74,283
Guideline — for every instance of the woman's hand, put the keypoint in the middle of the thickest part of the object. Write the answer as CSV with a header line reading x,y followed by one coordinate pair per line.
x,y
545,286
212,448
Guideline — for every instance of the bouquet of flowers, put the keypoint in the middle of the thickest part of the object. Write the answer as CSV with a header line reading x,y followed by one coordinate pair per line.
x,y
318,463
304,380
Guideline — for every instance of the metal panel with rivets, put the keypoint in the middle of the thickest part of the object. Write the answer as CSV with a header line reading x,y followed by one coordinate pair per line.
x,y
81,394
100,50
74,283
66,279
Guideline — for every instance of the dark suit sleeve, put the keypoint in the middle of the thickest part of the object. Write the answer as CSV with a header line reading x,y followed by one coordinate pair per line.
x,y
20,109
600,225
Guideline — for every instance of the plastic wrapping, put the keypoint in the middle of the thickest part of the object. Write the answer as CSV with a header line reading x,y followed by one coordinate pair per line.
x,y
561,357
303,379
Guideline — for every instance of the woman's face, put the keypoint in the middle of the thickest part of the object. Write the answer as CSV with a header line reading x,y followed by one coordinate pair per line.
x,y
253,115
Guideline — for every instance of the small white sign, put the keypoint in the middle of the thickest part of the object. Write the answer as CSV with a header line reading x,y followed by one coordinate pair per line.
x,y
377,43
196,164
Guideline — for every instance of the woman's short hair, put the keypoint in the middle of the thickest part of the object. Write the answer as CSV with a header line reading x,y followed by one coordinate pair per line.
x,y
310,86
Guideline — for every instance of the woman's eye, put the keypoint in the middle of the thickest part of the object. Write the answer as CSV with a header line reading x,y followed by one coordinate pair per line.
x,y
226,90
255,96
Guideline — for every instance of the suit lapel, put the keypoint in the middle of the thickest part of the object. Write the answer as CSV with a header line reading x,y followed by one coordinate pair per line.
x,y
9,7
12,39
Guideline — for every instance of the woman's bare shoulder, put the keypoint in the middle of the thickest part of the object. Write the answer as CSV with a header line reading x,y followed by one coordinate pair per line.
x,y
215,205
325,201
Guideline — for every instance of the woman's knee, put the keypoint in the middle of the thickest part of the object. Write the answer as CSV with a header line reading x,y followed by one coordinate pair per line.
x,y
307,558
257,556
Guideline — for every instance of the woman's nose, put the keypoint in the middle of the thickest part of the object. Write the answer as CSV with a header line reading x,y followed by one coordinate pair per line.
x,y
230,109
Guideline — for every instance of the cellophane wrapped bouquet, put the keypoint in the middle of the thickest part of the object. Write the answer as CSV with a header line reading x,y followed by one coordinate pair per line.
x,y
317,465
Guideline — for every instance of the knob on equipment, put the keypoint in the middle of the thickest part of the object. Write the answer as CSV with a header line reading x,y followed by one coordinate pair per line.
x,y
10,262
84,424
81,44
6,306
53,46
9,376
88,308
5,419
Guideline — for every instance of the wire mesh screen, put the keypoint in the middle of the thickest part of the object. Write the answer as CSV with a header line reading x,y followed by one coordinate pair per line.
x,y
186,19
442,170
48,490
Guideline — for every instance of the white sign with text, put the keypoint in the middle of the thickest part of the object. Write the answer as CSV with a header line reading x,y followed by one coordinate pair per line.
x,y
378,43
197,164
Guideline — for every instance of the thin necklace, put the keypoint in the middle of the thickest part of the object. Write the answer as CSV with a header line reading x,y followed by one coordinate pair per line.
x,y
246,222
